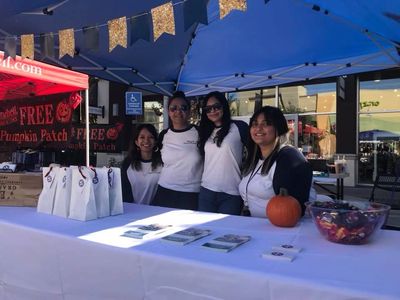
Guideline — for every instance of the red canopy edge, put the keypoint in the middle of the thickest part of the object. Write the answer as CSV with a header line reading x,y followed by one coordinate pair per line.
x,y
29,77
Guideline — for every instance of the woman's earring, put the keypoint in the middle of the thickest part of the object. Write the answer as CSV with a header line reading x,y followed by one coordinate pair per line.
x,y
156,149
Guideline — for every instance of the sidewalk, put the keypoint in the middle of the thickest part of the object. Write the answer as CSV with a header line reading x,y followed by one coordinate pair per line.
x,y
350,193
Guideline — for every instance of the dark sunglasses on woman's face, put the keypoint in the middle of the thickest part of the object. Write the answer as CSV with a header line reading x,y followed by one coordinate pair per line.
x,y
182,108
210,108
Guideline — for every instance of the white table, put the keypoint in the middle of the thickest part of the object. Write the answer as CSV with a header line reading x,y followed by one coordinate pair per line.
x,y
48,257
336,179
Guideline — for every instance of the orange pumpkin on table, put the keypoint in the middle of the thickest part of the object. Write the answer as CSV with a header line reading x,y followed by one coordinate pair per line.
x,y
283,210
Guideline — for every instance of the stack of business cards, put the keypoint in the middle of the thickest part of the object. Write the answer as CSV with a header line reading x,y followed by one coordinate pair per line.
x,y
283,252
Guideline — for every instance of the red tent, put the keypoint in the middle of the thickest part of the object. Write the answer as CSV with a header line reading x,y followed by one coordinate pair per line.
x,y
22,78
312,129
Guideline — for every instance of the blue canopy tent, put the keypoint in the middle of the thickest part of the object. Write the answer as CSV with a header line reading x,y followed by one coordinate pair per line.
x,y
271,43
378,135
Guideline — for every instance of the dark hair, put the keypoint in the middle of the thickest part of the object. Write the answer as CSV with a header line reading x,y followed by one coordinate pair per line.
x,y
134,152
180,95
206,126
177,95
275,117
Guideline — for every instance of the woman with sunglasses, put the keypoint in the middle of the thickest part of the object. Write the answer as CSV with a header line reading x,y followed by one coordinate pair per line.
x,y
141,168
221,145
179,182
272,164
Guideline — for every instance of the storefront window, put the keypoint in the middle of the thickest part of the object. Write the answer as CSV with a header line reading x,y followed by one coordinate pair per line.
x,y
152,114
379,128
317,135
315,98
315,106
244,103
379,95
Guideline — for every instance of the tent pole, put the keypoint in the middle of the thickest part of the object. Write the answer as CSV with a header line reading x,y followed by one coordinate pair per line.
x,y
165,113
87,126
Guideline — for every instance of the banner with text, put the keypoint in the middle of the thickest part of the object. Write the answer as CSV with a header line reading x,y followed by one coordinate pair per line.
x,y
103,138
36,122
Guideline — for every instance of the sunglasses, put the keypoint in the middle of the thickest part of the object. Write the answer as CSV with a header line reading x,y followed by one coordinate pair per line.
x,y
263,124
210,108
182,108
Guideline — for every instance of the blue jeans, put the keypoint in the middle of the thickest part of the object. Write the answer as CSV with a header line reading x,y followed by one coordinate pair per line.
x,y
219,202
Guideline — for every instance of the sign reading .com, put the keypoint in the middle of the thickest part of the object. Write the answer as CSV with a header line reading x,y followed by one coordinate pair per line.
x,y
17,65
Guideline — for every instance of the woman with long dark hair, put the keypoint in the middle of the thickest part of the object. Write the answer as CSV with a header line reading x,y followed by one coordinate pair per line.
x,y
221,145
180,177
272,163
141,168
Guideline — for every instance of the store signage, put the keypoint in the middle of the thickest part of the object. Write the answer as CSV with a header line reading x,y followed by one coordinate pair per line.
x,y
133,103
19,65
369,104
97,110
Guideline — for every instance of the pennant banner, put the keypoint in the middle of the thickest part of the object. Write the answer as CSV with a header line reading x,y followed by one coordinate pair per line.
x,y
47,45
195,11
28,46
140,28
91,38
117,33
67,42
226,6
163,20
10,47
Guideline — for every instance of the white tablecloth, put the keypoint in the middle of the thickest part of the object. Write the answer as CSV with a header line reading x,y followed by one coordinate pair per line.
x,y
48,257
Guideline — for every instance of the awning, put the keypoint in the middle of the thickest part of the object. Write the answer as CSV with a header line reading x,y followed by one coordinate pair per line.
x,y
271,43
22,78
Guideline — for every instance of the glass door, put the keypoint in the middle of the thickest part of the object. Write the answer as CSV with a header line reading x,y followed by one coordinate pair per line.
x,y
293,124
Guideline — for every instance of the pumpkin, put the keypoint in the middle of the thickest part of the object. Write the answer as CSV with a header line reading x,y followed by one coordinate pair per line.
x,y
63,112
283,210
112,133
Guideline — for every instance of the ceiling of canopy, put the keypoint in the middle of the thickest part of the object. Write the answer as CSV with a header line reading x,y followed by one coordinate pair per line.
x,y
272,42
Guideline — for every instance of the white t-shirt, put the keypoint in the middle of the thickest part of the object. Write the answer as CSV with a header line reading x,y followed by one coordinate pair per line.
x,y
144,182
259,190
183,164
222,164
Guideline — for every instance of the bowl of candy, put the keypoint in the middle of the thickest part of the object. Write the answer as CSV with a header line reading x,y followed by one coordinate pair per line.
x,y
348,222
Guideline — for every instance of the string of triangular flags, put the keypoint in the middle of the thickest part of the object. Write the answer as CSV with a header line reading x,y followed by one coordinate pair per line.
x,y
161,18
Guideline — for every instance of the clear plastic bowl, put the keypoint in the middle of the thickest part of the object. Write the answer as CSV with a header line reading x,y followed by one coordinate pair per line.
x,y
348,222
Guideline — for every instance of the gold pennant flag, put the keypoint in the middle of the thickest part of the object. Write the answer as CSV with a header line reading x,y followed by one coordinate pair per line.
x,y
163,20
67,42
226,6
27,46
117,33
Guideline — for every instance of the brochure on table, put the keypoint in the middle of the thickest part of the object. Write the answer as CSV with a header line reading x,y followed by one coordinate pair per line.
x,y
186,236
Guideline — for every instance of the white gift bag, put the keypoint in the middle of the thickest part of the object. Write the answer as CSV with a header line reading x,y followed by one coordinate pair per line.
x,y
101,191
115,191
47,196
83,202
63,192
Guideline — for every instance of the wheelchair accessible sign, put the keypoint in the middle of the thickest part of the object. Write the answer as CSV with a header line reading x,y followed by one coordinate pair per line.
x,y
133,103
